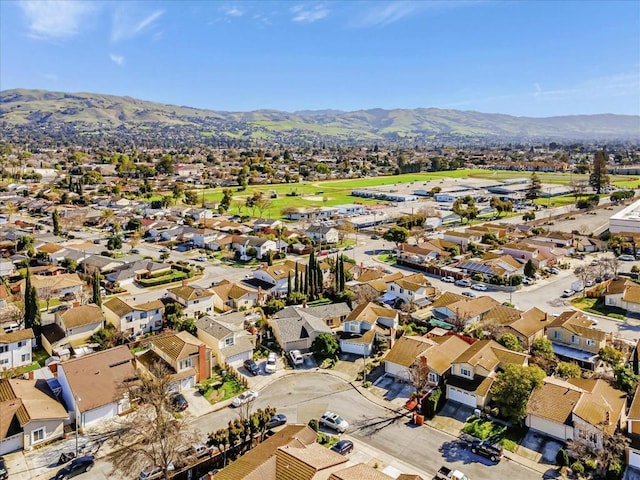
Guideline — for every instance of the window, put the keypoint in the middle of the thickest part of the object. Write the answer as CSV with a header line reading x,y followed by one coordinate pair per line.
x,y
329,322
143,315
156,311
21,343
37,435
186,363
4,361
129,318
402,290
26,357
433,377
590,343
575,339
4,348
228,341
196,301
392,288
465,372
557,335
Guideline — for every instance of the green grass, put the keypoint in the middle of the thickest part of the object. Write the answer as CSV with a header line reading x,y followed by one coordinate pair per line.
x,y
54,302
40,356
26,368
320,301
494,432
172,277
386,258
561,201
597,306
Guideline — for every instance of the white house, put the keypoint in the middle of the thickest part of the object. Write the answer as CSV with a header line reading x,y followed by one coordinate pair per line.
x,y
323,234
195,300
411,289
367,323
227,337
278,276
15,349
202,237
92,386
134,319
80,322
244,243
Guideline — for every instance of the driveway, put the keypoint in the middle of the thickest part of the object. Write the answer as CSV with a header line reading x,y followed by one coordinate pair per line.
x,y
451,418
392,390
539,448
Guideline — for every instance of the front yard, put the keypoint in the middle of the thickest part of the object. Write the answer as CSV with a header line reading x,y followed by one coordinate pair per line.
x,y
217,389
597,306
508,437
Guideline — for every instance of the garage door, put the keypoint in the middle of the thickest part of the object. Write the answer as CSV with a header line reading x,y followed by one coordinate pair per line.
x,y
188,382
11,444
461,396
634,458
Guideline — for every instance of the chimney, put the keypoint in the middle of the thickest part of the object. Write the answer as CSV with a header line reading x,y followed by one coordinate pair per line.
x,y
76,304
203,363
184,282
304,303
607,417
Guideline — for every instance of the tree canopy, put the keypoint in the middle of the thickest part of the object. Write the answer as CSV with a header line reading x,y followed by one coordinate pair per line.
x,y
396,235
512,388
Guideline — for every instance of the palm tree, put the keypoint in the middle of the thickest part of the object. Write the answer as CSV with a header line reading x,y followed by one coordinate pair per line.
x,y
106,216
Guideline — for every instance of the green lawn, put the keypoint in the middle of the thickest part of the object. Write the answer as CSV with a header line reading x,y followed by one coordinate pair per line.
x,y
560,201
597,306
40,356
494,432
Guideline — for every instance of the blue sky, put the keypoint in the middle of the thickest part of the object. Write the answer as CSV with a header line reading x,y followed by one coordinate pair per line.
x,y
520,58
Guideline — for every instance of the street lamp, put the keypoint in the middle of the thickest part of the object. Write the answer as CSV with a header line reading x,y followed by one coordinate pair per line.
x,y
77,399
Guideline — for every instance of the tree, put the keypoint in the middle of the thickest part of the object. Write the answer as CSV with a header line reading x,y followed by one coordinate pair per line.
x,y
529,216
584,274
32,317
529,269
611,356
25,244
599,178
95,285
114,243
396,235
568,370
325,345
625,379
225,203
152,433
510,341
419,374
190,197
465,207
274,305
55,220
188,325
9,209
542,346
535,187
512,388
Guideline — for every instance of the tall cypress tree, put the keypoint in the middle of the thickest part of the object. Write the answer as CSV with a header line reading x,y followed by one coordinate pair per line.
x,y
55,219
336,274
32,317
289,285
636,368
296,286
97,296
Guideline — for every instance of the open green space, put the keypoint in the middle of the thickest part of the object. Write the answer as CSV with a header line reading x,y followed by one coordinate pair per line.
x,y
508,437
597,306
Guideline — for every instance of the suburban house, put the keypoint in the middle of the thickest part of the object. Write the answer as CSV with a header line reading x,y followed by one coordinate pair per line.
x,y
421,255
55,286
438,352
367,323
574,340
295,328
99,263
412,289
322,234
202,237
524,252
578,409
276,277
526,326
79,322
260,224
226,335
458,310
462,238
233,296
195,300
243,244
188,359
473,372
633,430
15,348
30,414
94,386
134,319
560,239
623,294
128,273
503,266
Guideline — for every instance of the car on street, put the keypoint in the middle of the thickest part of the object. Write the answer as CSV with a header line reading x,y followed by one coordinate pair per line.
x,y
277,420
296,357
244,397
567,293
466,293
463,282
270,366
349,247
448,279
334,422
134,251
527,281
375,237
555,270
164,250
343,447
481,287
179,403
484,448
77,467
155,472
252,367
626,258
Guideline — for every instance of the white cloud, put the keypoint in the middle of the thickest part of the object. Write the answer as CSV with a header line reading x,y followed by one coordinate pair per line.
x,y
303,14
117,59
128,25
55,19
381,15
52,77
232,11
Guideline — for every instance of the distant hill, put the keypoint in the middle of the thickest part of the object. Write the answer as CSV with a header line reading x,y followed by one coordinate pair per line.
x,y
77,114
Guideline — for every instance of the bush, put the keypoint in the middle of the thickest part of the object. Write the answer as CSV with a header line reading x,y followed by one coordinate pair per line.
x,y
313,423
562,458
577,468
591,464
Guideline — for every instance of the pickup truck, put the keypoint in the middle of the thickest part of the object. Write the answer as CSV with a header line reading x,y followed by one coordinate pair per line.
x,y
445,473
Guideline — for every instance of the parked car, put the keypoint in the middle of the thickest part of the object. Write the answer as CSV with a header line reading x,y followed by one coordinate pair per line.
x,y
152,473
343,447
252,367
296,357
179,403
484,448
567,293
527,281
134,250
277,420
164,250
463,282
445,473
469,294
270,366
67,297
481,287
334,422
375,237
4,474
555,270
79,466
244,397
448,279
626,258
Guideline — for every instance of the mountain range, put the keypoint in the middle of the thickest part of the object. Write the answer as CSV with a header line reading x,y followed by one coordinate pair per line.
x,y
24,110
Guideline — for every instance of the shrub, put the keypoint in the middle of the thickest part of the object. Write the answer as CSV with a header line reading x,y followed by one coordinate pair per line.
x,y
562,458
591,464
313,423
577,468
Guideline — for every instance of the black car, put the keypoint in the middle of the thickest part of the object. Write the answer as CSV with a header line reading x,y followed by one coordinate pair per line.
x,y
277,420
252,367
78,466
4,474
484,448
179,403
343,447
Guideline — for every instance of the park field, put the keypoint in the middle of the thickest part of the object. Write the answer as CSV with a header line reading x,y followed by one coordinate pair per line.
x,y
337,192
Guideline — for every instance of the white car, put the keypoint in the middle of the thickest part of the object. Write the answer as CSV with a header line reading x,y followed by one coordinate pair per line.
x,y
463,282
334,422
448,279
481,287
151,473
270,367
296,357
244,397
527,281
567,293
626,258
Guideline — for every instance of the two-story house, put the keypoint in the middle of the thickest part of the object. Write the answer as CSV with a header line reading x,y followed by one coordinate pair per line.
x,y
412,289
381,322
276,277
73,326
526,326
55,286
323,234
244,244
621,293
188,359
460,311
227,337
421,255
202,237
573,339
462,238
503,266
580,409
196,301
233,296
15,348
524,252
473,372
134,319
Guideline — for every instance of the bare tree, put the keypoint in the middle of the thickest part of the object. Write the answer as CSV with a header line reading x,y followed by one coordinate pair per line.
x,y
419,374
46,293
611,264
152,434
584,274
